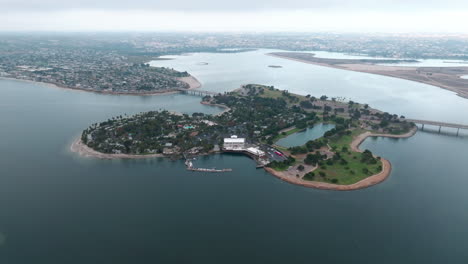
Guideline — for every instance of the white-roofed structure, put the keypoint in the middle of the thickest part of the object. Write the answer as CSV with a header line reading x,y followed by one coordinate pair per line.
x,y
255,151
234,143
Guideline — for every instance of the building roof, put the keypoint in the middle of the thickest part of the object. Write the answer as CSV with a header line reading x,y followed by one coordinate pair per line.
x,y
234,140
256,151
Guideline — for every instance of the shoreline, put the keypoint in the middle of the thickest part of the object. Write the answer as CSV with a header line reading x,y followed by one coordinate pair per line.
x,y
387,73
226,109
83,150
364,183
190,80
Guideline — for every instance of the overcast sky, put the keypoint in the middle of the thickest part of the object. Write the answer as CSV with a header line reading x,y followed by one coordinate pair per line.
x,y
449,16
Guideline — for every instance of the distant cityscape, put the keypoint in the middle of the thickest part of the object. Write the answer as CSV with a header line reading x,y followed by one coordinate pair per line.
x,y
116,62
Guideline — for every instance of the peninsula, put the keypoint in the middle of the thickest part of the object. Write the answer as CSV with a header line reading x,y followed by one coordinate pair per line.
x,y
256,117
449,78
92,69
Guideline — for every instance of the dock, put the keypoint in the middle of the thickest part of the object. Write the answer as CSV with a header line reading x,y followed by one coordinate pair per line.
x,y
190,167
208,170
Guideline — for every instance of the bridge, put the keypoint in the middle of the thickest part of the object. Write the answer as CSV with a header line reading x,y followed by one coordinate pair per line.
x,y
439,124
197,92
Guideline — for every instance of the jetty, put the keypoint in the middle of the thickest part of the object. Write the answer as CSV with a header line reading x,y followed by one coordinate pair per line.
x,y
190,167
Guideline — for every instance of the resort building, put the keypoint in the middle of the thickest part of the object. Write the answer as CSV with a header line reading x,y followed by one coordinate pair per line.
x,y
255,151
234,143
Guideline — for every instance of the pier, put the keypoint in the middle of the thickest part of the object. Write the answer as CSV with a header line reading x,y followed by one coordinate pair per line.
x,y
439,124
190,167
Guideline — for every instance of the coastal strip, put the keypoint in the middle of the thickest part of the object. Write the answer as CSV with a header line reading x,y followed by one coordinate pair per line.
x,y
448,78
83,150
192,82
365,183
226,109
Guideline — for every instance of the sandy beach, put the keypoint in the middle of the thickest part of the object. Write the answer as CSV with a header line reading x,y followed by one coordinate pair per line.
x,y
191,81
365,183
443,77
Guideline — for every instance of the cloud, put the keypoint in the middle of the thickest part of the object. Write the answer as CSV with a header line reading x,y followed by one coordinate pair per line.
x,y
253,21
232,5
235,15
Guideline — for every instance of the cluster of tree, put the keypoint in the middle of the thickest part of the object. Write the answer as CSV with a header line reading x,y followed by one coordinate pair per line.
x,y
268,115
149,132
169,72
339,130
291,98
368,158
314,159
309,146
282,165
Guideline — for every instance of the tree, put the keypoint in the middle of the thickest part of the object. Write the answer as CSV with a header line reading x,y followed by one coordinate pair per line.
x,y
313,159
368,158
384,123
300,167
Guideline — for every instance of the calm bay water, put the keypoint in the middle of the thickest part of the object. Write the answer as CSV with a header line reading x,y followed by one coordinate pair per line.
x,y
226,72
57,207
300,138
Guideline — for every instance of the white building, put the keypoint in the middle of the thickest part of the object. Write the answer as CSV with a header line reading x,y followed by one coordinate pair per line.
x,y
256,152
234,143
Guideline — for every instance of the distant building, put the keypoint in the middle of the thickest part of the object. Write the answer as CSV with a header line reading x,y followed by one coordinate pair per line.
x,y
234,143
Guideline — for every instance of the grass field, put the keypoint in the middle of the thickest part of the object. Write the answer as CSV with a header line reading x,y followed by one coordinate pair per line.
x,y
349,169
351,172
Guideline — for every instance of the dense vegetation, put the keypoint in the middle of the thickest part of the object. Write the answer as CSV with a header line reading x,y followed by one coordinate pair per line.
x,y
262,115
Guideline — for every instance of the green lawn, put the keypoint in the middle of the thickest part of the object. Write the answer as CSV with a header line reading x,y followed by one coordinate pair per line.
x,y
267,93
345,174
351,172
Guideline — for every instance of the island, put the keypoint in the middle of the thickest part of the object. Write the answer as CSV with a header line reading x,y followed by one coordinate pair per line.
x,y
448,78
254,119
